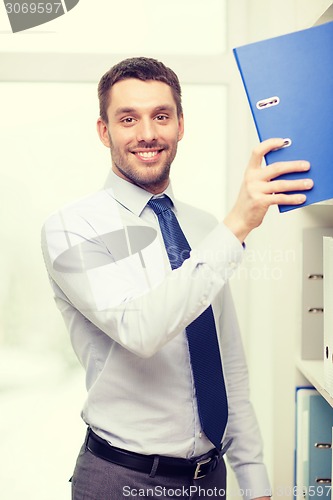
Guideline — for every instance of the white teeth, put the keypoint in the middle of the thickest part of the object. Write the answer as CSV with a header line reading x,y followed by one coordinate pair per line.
x,y
147,154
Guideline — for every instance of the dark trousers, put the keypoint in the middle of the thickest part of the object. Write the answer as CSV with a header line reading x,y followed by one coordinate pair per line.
x,y
98,479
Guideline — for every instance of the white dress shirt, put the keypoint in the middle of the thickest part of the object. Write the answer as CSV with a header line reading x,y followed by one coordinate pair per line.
x,y
126,313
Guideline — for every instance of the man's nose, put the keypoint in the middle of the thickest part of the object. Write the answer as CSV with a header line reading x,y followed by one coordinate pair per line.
x,y
146,131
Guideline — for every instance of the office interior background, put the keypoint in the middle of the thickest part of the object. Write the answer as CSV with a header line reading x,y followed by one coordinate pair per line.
x,y
50,154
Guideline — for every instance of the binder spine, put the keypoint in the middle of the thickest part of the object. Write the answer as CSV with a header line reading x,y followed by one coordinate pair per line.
x,y
235,51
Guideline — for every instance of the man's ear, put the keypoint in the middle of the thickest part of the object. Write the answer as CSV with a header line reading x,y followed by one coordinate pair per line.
x,y
103,132
180,127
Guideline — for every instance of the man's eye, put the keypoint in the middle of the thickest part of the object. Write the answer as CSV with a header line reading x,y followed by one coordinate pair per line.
x,y
161,117
128,120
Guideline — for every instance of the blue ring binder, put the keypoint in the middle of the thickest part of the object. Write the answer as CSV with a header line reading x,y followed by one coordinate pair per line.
x,y
297,68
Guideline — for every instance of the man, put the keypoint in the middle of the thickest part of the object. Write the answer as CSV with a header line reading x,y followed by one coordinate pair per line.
x,y
130,307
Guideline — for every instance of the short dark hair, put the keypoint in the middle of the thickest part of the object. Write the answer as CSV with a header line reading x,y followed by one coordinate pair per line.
x,y
142,68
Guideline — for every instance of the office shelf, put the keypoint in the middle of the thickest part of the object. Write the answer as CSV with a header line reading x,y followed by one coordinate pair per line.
x,y
313,371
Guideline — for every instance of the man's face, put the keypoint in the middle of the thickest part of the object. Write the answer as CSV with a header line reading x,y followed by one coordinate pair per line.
x,y
143,132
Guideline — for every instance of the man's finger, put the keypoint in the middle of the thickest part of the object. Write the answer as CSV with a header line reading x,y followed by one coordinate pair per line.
x,y
279,168
263,148
284,186
286,199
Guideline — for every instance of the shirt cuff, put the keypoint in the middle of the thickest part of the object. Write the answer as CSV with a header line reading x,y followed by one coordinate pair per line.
x,y
253,481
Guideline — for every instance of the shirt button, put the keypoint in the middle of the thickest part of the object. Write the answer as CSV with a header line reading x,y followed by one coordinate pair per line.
x,y
205,302
200,435
233,265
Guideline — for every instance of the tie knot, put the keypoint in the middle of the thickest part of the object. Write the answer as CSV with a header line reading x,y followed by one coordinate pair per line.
x,y
160,205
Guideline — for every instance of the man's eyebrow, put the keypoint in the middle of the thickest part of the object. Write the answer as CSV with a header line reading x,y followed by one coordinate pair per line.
x,y
127,110
122,111
165,107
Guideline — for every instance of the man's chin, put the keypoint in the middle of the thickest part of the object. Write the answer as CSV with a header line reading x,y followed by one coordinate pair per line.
x,y
148,176
150,181
151,174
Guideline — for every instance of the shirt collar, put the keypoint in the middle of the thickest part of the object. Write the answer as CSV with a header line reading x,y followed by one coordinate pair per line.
x,y
131,196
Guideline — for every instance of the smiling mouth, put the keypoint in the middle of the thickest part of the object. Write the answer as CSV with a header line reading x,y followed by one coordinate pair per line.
x,y
148,155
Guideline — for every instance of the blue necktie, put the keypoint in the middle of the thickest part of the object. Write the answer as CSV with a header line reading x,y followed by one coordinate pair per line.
x,y
201,335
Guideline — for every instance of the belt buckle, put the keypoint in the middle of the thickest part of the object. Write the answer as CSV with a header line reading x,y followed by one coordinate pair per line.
x,y
198,468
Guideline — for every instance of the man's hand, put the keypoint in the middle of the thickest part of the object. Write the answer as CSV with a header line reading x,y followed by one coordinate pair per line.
x,y
259,191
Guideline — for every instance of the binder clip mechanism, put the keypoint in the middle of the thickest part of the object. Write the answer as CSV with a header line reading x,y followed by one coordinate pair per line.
x,y
268,103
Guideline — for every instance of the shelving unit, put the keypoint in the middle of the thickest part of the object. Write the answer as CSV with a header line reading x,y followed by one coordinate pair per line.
x,y
313,371
310,361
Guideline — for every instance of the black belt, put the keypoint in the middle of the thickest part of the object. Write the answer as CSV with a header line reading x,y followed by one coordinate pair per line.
x,y
165,466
